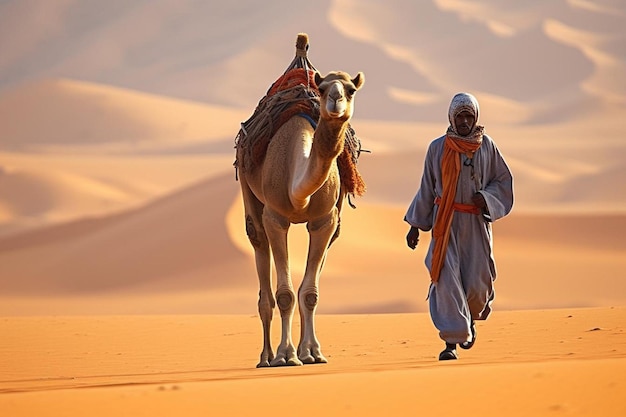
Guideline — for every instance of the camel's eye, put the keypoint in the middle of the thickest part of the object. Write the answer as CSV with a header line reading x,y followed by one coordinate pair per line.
x,y
351,91
321,90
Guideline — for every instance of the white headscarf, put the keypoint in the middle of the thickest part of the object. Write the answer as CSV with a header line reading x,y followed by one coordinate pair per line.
x,y
464,102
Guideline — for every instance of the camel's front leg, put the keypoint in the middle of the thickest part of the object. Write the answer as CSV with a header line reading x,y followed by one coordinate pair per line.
x,y
277,227
320,233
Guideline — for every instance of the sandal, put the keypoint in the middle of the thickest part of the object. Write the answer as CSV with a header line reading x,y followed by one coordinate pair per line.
x,y
449,353
468,345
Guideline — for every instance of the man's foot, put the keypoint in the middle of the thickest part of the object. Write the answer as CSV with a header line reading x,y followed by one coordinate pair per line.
x,y
468,345
449,353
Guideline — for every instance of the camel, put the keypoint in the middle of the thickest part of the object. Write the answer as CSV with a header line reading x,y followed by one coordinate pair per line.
x,y
298,182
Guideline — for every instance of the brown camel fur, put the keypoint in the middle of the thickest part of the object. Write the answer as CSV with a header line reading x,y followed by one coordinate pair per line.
x,y
298,182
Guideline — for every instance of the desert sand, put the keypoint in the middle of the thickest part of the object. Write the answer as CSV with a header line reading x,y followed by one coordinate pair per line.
x,y
127,284
539,362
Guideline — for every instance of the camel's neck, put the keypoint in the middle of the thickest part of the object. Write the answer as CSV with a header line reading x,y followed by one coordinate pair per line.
x,y
328,143
328,140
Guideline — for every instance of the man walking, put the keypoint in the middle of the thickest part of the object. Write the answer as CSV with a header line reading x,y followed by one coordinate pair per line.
x,y
466,185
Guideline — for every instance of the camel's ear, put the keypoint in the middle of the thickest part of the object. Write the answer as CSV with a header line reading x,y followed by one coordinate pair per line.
x,y
358,80
318,79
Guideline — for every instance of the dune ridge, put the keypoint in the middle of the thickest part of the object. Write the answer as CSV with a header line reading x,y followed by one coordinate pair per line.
x,y
76,115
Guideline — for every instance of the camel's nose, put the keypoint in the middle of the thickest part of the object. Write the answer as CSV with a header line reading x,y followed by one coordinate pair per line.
x,y
336,92
336,96
336,100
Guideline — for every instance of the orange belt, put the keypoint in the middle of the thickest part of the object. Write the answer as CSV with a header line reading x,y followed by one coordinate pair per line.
x,y
463,208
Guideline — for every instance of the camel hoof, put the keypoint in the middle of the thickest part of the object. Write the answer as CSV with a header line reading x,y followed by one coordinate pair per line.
x,y
286,362
278,362
294,362
310,359
263,364
265,359
310,356
307,360
321,359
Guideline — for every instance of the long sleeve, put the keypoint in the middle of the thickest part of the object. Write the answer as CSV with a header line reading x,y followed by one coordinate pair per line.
x,y
420,212
498,184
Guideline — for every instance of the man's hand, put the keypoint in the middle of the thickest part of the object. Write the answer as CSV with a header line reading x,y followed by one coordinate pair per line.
x,y
479,201
413,237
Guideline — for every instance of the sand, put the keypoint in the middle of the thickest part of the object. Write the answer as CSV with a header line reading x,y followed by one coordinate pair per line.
x,y
541,362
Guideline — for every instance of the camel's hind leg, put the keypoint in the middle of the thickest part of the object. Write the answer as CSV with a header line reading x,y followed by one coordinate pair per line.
x,y
321,232
258,239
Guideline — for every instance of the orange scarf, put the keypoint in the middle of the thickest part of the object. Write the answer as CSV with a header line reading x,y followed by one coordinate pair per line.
x,y
454,146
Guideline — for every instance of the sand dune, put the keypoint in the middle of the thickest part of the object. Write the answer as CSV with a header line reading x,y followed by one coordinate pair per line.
x,y
192,248
164,161
79,115
39,190
36,198
95,150
104,254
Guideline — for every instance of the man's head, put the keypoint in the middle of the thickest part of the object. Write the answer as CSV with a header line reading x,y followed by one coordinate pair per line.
x,y
463,113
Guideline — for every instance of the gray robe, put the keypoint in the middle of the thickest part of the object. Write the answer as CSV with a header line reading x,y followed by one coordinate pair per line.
x,y
464,291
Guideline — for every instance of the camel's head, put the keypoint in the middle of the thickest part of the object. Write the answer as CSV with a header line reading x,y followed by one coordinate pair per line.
x,y
337,91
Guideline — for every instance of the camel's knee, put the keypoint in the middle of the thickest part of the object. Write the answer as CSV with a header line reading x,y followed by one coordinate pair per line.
x,y
266,305
327,222
254,235
285,300
309,300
